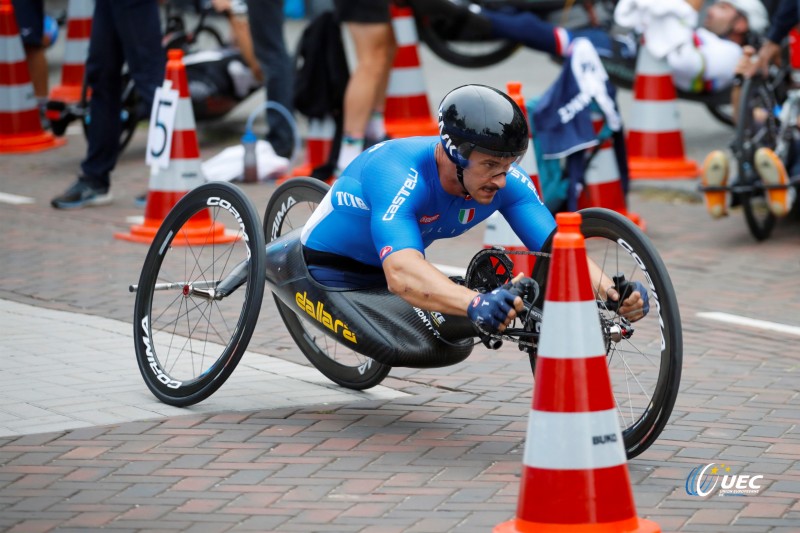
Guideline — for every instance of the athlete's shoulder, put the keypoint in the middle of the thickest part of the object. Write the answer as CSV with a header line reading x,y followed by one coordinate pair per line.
x,y
519,185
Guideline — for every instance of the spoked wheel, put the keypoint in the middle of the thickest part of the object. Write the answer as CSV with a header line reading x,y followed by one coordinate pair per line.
x,y
199,294
756,127
645,367
290,207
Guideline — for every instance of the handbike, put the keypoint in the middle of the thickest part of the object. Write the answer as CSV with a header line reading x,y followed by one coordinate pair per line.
x,y
196,307
767,117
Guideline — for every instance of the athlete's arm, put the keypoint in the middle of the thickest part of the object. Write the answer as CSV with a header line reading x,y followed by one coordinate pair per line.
x,y
421,284
534,225
410,276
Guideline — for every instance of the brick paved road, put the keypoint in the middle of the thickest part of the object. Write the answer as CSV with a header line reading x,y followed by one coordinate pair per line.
x,y
445,457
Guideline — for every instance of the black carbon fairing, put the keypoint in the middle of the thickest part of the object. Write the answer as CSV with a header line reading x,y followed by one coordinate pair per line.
x,y
372,322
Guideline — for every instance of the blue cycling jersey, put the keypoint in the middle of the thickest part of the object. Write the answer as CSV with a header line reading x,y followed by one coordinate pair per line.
x,y
390,198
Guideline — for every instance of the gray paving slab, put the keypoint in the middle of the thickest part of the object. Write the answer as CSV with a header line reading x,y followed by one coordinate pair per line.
x,y
65,370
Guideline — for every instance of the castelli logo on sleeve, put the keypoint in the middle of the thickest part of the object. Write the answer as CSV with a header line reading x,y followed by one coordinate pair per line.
x,y
386,250
427,219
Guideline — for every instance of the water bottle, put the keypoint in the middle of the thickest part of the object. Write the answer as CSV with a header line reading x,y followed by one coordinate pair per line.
x,y
250,162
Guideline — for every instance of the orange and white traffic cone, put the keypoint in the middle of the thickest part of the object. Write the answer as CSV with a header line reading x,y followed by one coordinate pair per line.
x,y
168,185
407,111
318,145
76,49
20,121
499,233
602,179
655,141
575,475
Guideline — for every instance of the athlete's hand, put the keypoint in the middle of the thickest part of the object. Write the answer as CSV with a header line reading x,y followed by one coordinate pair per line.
x,y
636,305
495,310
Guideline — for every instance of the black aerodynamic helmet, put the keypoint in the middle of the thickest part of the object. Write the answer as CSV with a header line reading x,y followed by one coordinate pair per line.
x,y
478,117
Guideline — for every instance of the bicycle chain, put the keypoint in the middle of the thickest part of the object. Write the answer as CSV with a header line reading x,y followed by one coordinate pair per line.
x,y
500,249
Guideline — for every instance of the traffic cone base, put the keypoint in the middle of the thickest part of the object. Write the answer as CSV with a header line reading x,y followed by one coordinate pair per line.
x,y
29,142
644,168
192,233
632,525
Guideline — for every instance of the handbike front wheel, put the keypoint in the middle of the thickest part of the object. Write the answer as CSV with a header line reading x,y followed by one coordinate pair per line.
x,y
645,367
290,207
199,294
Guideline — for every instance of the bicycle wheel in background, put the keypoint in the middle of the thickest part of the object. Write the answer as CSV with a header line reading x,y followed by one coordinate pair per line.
x,y
719,105
289,208
756,127
645,367
467,53
198,298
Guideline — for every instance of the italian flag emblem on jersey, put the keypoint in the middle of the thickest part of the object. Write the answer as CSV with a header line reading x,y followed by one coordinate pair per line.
x,y
465,216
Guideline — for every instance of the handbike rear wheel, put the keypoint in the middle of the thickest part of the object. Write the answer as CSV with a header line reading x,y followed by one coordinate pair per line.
x,y
290,207
645,369
188,338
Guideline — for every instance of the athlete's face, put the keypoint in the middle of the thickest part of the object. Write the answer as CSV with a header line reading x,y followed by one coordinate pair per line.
x,y
485,175
722,19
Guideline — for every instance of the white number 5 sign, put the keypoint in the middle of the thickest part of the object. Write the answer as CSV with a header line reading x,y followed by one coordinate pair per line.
x,y
162,121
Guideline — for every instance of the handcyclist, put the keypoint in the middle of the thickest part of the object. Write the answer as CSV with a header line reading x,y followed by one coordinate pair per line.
x,y
702,59
399,196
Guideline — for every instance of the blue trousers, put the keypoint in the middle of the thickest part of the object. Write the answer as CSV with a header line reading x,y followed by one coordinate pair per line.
x,y
123,31
266,27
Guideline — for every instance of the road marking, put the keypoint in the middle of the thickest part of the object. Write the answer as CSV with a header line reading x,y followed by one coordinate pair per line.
x,y
15,199
751,322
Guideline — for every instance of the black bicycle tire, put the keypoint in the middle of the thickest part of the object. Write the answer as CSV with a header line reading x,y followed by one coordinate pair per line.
x,y
605,223
440,48
760,226
210,381
720,112
351,377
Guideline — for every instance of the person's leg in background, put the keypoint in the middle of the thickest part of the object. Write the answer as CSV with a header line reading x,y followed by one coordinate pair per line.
x,y
266,26
103,76
122,30
30,20
370,27
139,28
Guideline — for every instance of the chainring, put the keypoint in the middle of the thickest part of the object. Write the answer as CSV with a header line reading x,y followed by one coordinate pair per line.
x,y
489,269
